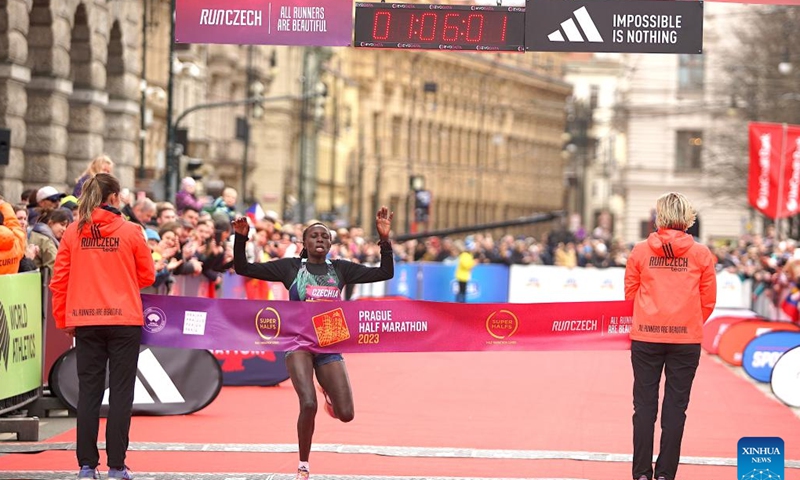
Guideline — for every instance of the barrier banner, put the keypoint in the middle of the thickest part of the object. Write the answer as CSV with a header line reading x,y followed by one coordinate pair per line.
x,y
784,378
264,369
383,325
546,283
20,333
265,22
761,354
168,381
737,336
406,281
489,283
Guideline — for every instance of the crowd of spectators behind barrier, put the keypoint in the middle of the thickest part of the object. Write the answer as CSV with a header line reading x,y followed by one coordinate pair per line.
x,y
193,237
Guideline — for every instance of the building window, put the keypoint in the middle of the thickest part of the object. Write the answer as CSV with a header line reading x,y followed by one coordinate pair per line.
x,y
689,151
397,135
691,72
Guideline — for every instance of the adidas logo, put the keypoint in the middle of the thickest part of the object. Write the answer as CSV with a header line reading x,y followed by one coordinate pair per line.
x,y
162,387
572,31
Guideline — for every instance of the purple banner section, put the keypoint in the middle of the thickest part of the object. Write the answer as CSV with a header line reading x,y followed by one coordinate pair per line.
x,y
383,325
265,22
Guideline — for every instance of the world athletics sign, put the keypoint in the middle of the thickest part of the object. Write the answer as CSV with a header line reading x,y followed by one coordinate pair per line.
x,y
614,26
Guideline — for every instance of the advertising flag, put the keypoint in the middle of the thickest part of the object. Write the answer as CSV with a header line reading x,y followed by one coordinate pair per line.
x,y
774,179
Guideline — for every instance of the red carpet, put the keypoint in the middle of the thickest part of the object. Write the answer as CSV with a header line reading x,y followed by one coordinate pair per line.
x,y
555,401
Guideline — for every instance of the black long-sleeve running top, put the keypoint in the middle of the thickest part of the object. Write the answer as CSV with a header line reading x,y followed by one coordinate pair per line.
x,y
285,270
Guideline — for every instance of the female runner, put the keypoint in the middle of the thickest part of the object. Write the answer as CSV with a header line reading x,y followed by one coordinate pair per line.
x,y
313,272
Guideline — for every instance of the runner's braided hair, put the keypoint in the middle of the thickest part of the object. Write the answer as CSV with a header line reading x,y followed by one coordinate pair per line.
x,y
304,252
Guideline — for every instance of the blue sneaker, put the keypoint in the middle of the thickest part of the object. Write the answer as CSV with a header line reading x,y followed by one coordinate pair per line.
x,y
124,473
88,472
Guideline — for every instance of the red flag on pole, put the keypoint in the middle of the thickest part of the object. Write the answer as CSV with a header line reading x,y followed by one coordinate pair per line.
x,y
774,181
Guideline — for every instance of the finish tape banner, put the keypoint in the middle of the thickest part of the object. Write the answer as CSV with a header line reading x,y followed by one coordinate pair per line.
x,y
383,325
265,22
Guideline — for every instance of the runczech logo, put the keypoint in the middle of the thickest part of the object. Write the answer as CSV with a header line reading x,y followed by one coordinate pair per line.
x,y
330,327
268,323
154,319
5,336
572,32
502,324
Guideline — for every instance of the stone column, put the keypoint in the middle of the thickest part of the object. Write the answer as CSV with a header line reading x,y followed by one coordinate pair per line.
x,y
47,115
121,138
13,103
46,142
86,126
13,98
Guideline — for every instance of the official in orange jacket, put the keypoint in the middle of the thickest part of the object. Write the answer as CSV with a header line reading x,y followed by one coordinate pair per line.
x,y
12,239
102,263
673,284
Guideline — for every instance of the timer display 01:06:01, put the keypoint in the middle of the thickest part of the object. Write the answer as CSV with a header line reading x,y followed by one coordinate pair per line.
x,y
457,27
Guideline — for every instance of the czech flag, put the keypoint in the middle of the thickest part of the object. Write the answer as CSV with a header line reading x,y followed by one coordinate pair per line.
x,y
790,304
255,213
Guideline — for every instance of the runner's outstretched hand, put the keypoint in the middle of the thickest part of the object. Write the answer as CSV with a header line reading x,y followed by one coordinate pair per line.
x,y
241,226
383,222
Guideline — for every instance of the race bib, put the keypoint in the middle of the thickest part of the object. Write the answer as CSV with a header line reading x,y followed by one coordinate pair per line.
x,y
316,293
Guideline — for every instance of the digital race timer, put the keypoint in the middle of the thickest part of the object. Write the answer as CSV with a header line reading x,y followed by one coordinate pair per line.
x,y
443,27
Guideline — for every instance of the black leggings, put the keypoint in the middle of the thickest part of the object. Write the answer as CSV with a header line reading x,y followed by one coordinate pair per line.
x,y
118,346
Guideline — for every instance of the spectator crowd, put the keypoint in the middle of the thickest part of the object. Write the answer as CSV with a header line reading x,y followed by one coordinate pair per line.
x,y
192,236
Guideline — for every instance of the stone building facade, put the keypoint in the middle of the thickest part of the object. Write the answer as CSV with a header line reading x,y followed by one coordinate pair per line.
x,y
69,88
484,131
84,77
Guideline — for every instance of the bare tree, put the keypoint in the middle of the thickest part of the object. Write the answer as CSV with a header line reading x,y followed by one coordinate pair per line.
x,y
757,87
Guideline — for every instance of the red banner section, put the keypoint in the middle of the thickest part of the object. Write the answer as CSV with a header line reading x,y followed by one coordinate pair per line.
x,y
774,180
265,22
383,326
762,2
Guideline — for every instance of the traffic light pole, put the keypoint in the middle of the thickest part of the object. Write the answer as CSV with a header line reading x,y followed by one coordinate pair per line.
x,y
171,180
172,148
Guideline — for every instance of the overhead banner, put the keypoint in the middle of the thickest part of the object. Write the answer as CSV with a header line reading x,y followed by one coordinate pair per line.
x,y
645,26
762,2
383,325
265,22
20,334
774,176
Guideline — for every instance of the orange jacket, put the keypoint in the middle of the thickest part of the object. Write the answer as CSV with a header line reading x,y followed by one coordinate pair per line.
x,y
12,240
673,284
99,272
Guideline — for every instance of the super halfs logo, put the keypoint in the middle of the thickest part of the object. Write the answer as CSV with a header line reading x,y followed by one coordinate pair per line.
x,y
268,326
502,325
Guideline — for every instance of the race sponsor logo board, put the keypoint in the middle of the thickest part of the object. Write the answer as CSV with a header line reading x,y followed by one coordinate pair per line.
x,y
20,334
168,381
762,353
264,22
646,26
736,337
784,379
